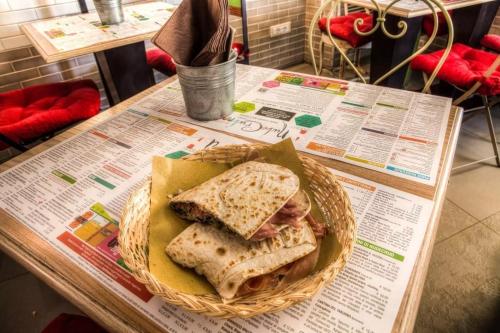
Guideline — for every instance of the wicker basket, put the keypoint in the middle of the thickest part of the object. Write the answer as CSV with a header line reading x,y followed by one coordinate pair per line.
x,y
328,193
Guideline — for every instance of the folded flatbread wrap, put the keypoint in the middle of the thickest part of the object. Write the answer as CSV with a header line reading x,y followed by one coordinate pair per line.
x,y
228,261
256,200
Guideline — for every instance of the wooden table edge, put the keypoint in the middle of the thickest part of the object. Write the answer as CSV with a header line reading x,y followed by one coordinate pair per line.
x,y
408,13
406,314
36,38
409,311
53,55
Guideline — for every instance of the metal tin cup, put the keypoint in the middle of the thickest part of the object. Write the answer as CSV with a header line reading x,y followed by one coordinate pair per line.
x,y
110,11
208,91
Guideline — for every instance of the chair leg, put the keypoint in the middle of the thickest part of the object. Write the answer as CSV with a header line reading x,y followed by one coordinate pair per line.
x,y
13,144
357,56
333,61
321,50
342,68
489,120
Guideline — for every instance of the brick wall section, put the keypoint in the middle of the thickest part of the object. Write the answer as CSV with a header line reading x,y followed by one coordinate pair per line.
x,y
280,51
21,65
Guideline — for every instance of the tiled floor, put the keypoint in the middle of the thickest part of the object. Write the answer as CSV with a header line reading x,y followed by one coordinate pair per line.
x,y
462,290
27,305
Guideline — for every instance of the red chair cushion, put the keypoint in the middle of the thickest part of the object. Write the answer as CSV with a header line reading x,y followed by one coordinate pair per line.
x,y
463,67
65,323
428,24
161,61
30,113
491,42
342,27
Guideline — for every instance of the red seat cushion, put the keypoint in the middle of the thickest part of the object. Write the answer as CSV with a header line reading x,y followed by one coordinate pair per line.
x,y
342,27
463,67
161,61
428,24
65,323
30,113
491,42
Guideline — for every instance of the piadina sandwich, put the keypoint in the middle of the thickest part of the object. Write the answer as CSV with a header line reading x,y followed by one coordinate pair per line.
x,y
253,230
255,200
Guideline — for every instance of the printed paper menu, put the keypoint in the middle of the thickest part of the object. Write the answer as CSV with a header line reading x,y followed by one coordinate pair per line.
x,y
72,195
389,130
78,31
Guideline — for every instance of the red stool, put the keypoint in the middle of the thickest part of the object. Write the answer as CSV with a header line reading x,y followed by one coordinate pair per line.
x,y
472,71
342,27
428,24
70,323
163,62
342,30
491,42
32,113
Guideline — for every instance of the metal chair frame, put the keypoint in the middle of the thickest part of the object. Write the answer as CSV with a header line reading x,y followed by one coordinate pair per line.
x,y
339,10
380,23
486,107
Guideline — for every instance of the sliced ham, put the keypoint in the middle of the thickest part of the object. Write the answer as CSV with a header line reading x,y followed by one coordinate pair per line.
x,y
290,214
286,274
318,228
266,231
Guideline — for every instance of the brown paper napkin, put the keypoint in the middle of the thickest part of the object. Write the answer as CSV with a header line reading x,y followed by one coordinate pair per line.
x,y
197,32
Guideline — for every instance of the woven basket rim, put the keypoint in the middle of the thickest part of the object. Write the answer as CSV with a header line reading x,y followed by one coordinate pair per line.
x,y
247,306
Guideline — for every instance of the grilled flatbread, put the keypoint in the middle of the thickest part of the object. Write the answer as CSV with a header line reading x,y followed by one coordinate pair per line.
x,y
244,198
227,261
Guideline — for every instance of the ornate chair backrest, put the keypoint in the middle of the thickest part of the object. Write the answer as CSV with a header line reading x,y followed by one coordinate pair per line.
x,y
380,24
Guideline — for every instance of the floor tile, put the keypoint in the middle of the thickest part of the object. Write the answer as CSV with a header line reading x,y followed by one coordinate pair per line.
x,y
462,290
473,146
9,268
477,124
493,222
453,220
28,305
302,68
477,191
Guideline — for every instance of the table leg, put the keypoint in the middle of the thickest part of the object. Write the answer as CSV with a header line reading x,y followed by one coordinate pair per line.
x,y
124,71
472,23
388,53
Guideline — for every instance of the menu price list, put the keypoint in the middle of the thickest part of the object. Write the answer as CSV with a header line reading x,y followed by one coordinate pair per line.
x,y
388,130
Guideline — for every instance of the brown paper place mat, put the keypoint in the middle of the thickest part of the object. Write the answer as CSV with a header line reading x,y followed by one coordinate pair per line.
x,y
170,175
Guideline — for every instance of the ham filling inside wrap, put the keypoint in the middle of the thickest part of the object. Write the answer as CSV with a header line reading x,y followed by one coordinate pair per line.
x,y
290,214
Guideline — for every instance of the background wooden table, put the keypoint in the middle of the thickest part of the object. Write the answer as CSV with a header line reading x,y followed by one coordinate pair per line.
x,y
472,20
107,308
121,61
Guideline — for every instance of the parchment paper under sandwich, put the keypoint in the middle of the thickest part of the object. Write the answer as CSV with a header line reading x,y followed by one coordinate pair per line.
x,y
255,200
236,267
169,176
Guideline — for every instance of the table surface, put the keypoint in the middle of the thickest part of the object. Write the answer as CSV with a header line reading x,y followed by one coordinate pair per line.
x,y
71,281
74,35
414,8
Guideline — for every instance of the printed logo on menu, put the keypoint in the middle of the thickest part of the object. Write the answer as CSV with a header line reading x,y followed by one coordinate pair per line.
x,y
275,113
